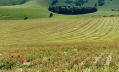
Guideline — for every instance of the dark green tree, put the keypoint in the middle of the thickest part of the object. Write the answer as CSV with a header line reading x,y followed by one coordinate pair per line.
x,y
54,2
101,2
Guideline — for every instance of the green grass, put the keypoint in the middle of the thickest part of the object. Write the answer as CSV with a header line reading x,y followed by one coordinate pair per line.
x,y
11,2
30,9
39,9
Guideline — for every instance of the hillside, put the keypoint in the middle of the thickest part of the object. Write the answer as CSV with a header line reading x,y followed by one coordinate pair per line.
x,y
12,2
31,9
107,3
18,9
38,31
64,43
57,43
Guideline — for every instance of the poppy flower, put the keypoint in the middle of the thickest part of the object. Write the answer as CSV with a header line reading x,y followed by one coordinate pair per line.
x,y
18,56
7,62
22,62
12,56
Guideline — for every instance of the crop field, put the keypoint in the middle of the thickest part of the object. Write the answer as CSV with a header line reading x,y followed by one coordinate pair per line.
x,y
80,57
38,31
60,45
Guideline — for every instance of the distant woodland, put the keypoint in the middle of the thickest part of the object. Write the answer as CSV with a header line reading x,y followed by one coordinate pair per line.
x,y
75,9
72,10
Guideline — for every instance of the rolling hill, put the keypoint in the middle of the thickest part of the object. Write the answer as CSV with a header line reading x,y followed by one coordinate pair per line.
x,y
107,3
18,9
12,2
31,9
64,43
38,31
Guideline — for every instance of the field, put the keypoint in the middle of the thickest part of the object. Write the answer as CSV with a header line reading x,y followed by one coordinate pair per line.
x,y
81,57
64,43
87,44
35,31
39,9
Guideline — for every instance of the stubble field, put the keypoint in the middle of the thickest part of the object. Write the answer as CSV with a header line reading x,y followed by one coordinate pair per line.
x,y
60,45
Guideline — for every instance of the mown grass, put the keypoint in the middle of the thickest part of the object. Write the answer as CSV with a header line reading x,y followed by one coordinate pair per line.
x,y
51,30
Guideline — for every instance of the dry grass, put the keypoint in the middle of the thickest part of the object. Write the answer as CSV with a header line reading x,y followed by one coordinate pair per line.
x,y
53,45
57,58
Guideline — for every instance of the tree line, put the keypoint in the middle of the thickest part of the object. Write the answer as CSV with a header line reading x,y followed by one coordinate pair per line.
x,y
76,2
72,10
16,2
101,2
54,2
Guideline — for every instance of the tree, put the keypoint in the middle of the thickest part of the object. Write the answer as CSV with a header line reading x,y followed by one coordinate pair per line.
x,y
25,18
79,2
69,1
95,5
54,2
86,1
112,9
101,2
51,15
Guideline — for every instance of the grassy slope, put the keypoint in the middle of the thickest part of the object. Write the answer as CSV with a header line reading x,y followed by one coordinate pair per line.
x,y
38,9
38,31
11,2
23,37
102,10
111,4
32,9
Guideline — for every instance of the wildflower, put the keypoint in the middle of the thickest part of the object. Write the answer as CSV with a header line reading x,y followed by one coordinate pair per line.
x,y
7,62
22,62
12,56
18,56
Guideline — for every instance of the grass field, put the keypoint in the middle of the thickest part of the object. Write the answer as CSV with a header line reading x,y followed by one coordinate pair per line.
x,y
64,43
31,9
60,45
35,31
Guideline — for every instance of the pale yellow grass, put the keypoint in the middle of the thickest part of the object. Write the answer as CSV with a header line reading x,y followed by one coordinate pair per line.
x,y
38,31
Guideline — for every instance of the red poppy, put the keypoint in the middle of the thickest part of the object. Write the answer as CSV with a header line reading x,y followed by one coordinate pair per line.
x,y
7,62
12,56
22,62
18,56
